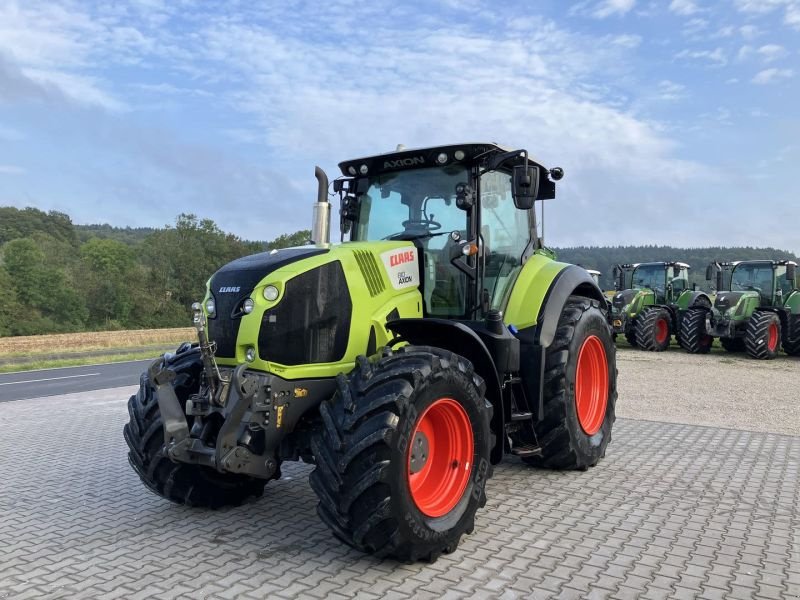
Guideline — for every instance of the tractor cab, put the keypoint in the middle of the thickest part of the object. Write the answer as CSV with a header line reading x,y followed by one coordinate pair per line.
x,y
468,209
666,280
771,280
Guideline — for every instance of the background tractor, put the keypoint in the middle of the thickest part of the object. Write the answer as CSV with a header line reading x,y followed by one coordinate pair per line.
x,y
759,311
650,301
403,363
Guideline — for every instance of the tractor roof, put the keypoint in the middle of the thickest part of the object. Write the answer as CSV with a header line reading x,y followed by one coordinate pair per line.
x,y
655,264
404,158
774,263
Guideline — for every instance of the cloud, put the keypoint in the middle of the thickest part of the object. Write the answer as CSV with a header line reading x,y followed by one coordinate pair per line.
x,y
716,57
771,52
683,7
11,170
602,9
790,8
773,75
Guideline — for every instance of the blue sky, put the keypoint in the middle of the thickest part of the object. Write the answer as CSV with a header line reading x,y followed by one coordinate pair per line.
x,y
676,121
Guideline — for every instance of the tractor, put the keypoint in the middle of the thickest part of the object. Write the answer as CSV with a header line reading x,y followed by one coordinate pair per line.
x,y
650,301
404,362
759,311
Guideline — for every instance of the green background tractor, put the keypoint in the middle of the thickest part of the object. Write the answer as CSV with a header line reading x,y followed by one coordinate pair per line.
x,y
759,311
402,363
650,301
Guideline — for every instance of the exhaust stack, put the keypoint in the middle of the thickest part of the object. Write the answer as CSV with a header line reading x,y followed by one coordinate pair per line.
x,y
320,226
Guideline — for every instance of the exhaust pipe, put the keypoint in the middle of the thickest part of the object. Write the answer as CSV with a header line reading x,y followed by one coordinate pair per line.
x,y
320,226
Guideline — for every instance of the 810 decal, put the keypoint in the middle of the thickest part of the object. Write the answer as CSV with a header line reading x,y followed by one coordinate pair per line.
x,y
402,267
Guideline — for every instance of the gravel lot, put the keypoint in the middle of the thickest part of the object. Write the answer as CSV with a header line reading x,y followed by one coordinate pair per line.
x,y
718,389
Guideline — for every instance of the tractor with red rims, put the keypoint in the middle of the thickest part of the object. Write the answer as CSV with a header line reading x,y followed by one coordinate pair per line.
x,y
650,301
437,337
756,310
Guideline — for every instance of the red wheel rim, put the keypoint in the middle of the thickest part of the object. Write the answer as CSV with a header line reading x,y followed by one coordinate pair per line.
x,y
439,457
591,385
662,331
772,340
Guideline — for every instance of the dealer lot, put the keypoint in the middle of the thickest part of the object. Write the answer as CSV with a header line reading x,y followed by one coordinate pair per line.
x,y
676,510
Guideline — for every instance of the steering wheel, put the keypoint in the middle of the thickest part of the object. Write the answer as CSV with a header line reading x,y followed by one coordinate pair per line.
x,y
428,224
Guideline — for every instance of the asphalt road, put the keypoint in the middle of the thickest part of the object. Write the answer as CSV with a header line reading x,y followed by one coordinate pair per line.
x,y
68,380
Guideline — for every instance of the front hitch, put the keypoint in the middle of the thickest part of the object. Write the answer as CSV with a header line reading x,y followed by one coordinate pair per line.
x,y
176,429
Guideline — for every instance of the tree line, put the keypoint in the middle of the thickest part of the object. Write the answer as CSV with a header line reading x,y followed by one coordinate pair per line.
x,y
57,277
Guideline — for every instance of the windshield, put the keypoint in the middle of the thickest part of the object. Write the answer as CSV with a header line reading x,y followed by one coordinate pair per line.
x,y
754,277
649,276
412,204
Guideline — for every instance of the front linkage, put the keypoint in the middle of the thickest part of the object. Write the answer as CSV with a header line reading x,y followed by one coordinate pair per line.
x,y
256,411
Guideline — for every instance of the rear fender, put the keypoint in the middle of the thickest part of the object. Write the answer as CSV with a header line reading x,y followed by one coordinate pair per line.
x,y
792,302
458,338
693,298
534,339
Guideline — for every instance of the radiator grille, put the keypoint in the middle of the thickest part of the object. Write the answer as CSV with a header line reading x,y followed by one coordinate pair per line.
x,y
370,271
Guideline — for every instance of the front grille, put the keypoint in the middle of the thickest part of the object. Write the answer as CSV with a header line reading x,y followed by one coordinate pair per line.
x,y
370,271
311,324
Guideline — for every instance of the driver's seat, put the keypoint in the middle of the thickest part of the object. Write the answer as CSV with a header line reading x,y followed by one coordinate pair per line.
x,y
446,296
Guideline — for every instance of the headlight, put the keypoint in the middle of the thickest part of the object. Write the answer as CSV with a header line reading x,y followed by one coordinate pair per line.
x,y
248,306
250,354
211,307
271,293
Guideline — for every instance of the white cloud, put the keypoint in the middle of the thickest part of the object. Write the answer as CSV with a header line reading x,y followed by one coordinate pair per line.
x,y
669,90
773,75
771,52
11,170
716,57
683,7
790,8
603,8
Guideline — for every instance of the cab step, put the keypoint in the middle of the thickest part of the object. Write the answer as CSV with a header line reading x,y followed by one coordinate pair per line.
x,y
526,450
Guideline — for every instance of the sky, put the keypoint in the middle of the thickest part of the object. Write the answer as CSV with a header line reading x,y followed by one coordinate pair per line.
x,y
675,121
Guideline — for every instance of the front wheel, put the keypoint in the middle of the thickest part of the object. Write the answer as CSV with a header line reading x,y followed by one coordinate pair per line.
x,y
693,335
192,485
402,456
580,390
653,329
791,336
763,335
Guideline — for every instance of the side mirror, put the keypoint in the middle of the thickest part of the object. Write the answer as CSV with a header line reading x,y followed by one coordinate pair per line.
x,y
525,186
709,272
720,282
790,273
694,286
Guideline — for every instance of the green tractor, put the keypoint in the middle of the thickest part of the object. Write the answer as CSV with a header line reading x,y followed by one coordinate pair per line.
x,y
760,310
650,301
402,363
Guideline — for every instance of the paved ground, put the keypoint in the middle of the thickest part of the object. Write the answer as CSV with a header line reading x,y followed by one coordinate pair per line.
x,y
49,382
674,511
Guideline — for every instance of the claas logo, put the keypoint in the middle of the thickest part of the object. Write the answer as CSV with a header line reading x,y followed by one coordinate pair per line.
x,y
402,258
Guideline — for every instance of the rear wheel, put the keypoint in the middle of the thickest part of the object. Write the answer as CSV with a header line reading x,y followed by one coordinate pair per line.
x,y
653,329
182,483
580,390
630,336
763,335
732,344
403,454
693,336
791,336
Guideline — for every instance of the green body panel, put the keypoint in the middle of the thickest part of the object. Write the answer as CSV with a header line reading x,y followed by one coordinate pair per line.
x,y
642,299
527,297
684,300
368,310
742,310
792,302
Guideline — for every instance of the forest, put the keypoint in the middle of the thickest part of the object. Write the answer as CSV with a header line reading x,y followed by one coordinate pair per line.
x,y
57,276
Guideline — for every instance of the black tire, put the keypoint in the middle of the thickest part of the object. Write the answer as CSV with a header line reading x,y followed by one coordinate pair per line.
x,y
362,453
791,336
732,344
693,336
564,443
192,485
649,324
757,338
630,336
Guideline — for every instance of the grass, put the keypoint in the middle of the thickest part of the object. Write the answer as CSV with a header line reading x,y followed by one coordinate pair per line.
x,y
76,362
116,342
